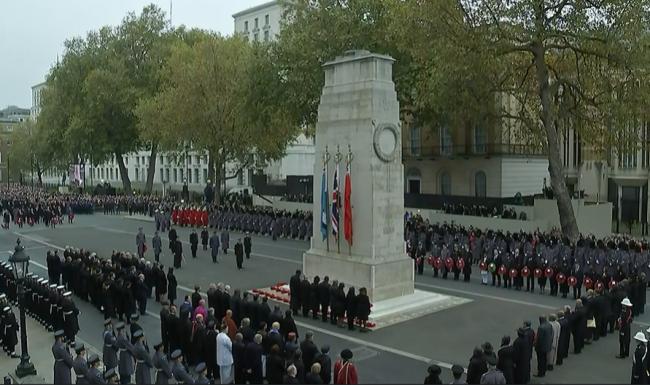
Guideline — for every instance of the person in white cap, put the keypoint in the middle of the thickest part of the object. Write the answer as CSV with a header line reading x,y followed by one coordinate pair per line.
x,y
639,373
624,328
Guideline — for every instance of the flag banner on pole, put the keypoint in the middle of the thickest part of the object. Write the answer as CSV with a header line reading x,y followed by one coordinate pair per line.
x,y
347,206
323,205
335,203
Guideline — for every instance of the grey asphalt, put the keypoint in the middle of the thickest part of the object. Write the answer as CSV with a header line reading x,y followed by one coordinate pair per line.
x,y
395,354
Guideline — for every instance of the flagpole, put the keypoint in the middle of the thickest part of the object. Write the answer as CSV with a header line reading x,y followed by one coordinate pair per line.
x,y
326,160
338,199
349,170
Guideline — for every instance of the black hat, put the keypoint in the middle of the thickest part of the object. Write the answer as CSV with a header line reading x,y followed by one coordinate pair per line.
x,y
434,369
59,333
158,345
457,370
491,360
119,326
346,354
78,348
138,333
176,353
110,373
94,358
107,322
200,367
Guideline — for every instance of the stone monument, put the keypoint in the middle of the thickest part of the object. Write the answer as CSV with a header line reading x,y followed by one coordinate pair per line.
x,y
359,115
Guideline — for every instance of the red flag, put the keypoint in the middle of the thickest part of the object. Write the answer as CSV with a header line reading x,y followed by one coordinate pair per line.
x,y
347,206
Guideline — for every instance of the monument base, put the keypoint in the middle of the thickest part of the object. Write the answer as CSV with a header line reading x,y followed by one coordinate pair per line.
x,y
383,279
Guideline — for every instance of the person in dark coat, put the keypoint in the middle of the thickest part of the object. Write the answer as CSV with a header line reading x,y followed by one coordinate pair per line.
x,y
309,349
305,296
238,357
477,367
248,244
205,238
239,254
314,300
521,357
178,254
171,285
565,335
288,325
363,308
433,376
324,297
173,237
294,292
253,360
578,320
194,242
505,361
351,307
275,366
325,362
543,345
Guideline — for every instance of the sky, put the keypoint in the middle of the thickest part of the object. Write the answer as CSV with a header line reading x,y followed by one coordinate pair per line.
x,y
32,32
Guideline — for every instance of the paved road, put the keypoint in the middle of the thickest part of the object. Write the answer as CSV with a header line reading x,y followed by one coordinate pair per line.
x,y
398,353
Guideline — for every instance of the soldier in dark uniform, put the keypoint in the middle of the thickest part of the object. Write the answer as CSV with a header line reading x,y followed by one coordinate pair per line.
x,y
294,290
9,332
324,297
125,364
109,350
80,365
305,296
70,317
162,366
194,242
178,369
62,360
144,364
204,238
247,245
93,375
639,360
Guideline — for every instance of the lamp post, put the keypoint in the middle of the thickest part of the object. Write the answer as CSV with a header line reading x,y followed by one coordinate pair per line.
x,y
20,263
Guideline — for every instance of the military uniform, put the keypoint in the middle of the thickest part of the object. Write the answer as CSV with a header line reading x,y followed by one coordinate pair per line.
x,y
63,361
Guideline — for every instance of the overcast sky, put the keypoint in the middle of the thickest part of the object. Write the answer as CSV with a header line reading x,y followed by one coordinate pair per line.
x,y
32,32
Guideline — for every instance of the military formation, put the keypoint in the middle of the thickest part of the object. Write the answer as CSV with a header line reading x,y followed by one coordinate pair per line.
x,y
259,221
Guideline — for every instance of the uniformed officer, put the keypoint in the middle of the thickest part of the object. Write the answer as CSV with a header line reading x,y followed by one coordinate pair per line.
x,y
144,364
70,315
111,377
163,368
109,351
62,360
80,365
94,376
214,247
125,364
178,369
200,371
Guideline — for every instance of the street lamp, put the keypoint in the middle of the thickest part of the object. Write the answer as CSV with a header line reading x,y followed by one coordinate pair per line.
x,y
20,263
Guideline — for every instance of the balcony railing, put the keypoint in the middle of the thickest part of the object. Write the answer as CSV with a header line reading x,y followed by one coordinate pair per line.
x,y
487,149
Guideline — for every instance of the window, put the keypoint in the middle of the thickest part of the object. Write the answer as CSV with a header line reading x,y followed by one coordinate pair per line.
x,y
205,175
92,173
480,137
137,160
196,175
205,159
189,176
413,178
480,185
161,177
445,183
117,173
256,37
197,159
161,160
182,174
175,176
246,26
445,141
266,35
415,140
167,175
137,174
240,178
266,20
256,23
102,172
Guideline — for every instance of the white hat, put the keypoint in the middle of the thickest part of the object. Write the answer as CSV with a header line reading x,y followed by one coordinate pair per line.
x,y
639,336
626,302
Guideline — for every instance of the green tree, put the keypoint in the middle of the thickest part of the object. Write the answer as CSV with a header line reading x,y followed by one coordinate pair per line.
x,y
566,64
207,104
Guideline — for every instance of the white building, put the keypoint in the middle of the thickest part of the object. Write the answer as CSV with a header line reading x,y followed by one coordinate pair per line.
x,y
36,99
262,23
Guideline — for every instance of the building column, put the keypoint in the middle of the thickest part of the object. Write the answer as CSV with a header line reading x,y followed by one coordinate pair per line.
x,y
640,203
619,193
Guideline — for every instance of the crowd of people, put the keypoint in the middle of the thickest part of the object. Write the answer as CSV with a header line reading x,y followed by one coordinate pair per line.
x,y
482,211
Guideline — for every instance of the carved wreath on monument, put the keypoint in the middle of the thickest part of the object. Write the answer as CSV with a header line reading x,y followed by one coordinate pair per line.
x,y
385,141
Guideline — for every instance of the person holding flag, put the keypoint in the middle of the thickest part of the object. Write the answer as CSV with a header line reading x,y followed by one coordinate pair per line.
x,y
347,204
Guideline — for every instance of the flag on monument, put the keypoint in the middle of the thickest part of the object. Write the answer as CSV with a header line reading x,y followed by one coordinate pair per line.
x,y
347,206
335,203
323,205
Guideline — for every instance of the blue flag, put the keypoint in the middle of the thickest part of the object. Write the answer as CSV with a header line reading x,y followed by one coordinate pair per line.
x,y
323,205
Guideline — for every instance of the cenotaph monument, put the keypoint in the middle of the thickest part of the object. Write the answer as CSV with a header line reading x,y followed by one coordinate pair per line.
x,y
358,118
358,126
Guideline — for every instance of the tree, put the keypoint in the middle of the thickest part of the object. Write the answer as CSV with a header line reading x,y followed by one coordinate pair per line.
x,y
207,104
318,31
29,152
578,65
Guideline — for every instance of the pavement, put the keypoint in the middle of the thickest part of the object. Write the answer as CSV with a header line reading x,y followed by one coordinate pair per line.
x,y
395,354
